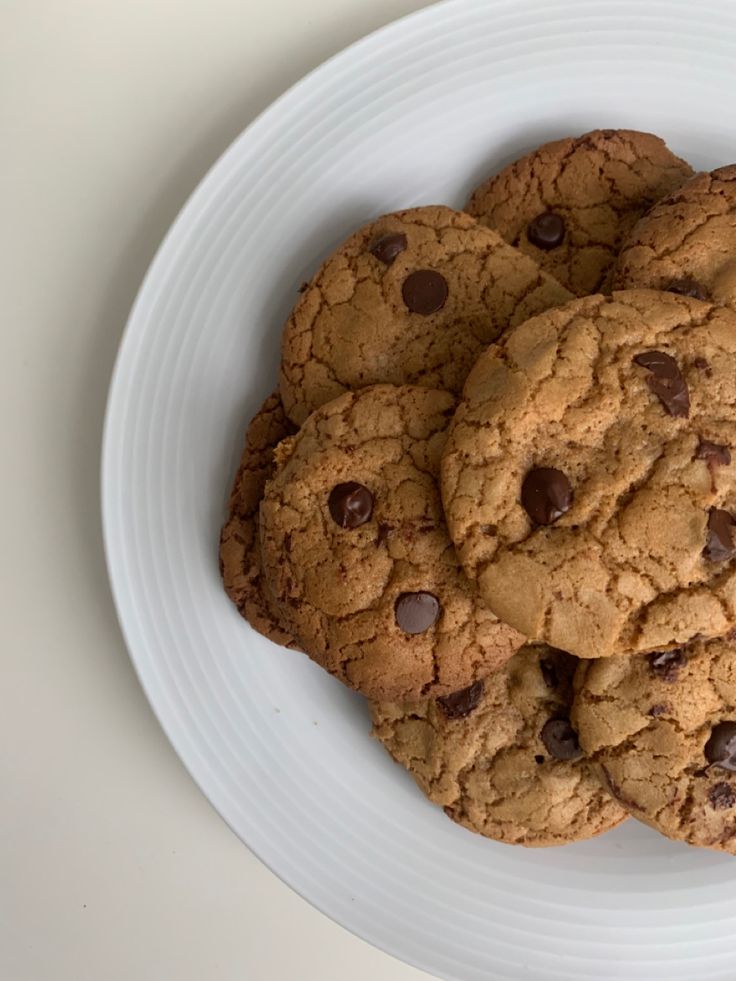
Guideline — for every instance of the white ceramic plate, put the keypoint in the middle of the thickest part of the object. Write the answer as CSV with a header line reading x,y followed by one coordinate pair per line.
x,y
416,113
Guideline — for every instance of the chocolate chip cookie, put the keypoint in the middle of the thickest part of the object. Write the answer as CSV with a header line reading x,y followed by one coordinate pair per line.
x,y
588,478
501,756
240,550
687,243
662,730
571,203
411,298
355,546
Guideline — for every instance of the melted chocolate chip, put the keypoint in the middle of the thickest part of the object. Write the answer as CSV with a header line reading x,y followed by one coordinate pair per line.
x,y
350,504
715,454
424,291
665,381
560,739
666,665
720,750
721,796
387,247
687,287
461,703
416,612
659,709
719,544
546,495
546,231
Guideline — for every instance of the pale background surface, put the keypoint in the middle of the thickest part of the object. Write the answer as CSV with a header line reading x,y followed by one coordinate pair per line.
x,y
112,864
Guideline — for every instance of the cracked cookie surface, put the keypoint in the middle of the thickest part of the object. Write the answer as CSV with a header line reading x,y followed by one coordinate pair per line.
x,y
411,298
501,757
687,242
588,478
240,549
355,546
660,727
597,186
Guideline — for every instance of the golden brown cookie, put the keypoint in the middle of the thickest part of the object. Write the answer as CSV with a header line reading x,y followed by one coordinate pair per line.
x,y
687,243
240,550
662,729
355,546
588,478
411,298
501,756
571,203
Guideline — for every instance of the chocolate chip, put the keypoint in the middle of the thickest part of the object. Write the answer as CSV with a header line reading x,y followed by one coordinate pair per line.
x,y
666,665
549,674
715,454
659,709
539,759
387,247
416,612
304,287
719,544
546,231
350,504
461,703
560,739
546,495
384,531
687,287
703,365
720,750
424,291
721,797
666,381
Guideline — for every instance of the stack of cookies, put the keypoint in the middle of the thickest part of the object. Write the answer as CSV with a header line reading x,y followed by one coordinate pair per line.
x,y
494,493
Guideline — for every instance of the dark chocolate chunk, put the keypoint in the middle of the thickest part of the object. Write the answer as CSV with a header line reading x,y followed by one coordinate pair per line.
x,y
715,454
546,495
719,544
461,703
687,287
350,504
720,750
546,231
560,739
721,796
424,291
416,612
665,381
659,709
666,665
387,247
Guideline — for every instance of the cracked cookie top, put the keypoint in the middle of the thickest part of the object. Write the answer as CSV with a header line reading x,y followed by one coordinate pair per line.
x,y
588,477
687,243
240,550
411,298
571,203
662,730
356,549
501,756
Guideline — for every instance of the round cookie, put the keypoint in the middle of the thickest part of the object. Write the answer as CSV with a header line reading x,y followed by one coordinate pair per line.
x,y
588,478
240,549
571,203
411,298
662,729
687,243
355,546
501,757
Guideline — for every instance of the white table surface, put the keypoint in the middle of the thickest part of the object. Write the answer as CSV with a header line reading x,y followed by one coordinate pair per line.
x,y
112,864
